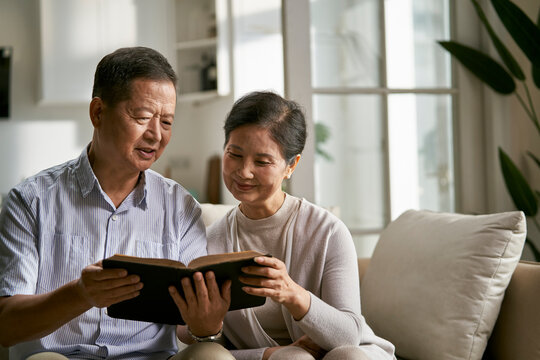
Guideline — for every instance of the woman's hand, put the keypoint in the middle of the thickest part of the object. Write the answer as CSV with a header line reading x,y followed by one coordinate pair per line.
x,y
273,281
203,310
303,342
310,346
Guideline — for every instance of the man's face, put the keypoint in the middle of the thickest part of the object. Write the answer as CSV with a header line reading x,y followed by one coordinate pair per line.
x,y
133,133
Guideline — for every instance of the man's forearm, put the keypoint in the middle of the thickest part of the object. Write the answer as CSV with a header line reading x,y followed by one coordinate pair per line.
x,y
28,317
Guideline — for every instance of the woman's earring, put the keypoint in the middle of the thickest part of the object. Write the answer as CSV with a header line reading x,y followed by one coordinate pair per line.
x,y
289,176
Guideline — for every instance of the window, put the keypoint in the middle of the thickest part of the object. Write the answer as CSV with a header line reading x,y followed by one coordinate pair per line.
x,y
382,109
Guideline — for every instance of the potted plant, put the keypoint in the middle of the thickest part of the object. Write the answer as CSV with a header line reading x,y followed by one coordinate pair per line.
x,y
503,79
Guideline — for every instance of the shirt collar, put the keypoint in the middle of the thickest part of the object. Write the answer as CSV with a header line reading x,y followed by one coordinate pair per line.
x,y
88,181
84,173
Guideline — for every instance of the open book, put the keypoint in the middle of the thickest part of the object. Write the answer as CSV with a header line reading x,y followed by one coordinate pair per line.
x,y
155,304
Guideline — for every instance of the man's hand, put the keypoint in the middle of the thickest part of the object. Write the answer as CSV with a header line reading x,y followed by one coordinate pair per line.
x,y
203,310
103,287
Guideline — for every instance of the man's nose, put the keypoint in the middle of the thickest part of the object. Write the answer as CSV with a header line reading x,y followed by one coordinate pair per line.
x,y
153,131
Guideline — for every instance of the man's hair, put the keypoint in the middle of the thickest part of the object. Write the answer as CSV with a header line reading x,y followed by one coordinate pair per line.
x,y
117,70
283,118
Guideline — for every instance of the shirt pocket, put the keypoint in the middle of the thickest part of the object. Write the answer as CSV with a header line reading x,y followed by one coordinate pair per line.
x,y
62,259
163,248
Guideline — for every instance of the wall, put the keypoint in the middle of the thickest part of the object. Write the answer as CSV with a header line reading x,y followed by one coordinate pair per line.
x,y
197,135
34,136
38,136
508,126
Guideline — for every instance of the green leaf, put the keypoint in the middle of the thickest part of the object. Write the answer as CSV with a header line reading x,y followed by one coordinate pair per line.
x,y
536,76
536,69
532,156
534,249
505,55
481,65
520,191
322,134
524,32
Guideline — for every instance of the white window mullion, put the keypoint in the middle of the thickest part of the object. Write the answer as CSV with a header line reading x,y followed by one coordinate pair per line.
x,y
297,55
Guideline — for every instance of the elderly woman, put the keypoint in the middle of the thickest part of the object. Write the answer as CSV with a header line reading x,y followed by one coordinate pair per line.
x,y
311,281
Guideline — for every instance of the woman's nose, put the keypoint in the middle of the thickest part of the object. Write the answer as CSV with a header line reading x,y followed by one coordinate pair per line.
x,y
245,170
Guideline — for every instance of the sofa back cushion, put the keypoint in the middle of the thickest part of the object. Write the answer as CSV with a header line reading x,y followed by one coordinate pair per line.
x,y
435,283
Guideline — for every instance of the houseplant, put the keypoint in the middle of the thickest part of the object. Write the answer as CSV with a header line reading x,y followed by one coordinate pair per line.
x,y
502,79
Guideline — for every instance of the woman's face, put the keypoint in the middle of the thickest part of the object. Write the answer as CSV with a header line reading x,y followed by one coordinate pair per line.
x,y
254,168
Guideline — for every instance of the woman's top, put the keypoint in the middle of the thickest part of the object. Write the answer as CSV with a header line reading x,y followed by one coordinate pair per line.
x,y
319,253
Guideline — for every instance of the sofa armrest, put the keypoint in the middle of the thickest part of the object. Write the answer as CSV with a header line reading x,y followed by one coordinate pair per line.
x,y
516,333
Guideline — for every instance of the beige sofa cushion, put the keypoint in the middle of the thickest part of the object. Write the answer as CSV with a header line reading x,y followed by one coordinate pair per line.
x,y
213,212
436,281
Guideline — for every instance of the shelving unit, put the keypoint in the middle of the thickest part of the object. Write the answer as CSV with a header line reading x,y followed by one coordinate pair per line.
x,y
202,49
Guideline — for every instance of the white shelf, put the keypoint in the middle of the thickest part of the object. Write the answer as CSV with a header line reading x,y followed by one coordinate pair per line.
x,y
202,49
198,96
196,44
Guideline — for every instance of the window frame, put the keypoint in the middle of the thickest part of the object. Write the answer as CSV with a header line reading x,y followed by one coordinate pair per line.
x,y
468,125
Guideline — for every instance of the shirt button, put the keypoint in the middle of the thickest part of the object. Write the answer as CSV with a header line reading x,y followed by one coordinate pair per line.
x,y
115,217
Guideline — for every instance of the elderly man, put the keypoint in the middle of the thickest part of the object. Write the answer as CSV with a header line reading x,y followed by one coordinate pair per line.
x,y
56,227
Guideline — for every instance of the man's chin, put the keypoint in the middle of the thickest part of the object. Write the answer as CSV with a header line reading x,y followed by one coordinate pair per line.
x,y
144,165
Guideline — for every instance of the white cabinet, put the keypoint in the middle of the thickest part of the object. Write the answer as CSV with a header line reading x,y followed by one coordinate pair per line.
x,y
202,49
76,34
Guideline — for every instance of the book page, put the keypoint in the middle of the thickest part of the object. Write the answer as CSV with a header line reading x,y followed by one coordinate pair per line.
x,y
222,258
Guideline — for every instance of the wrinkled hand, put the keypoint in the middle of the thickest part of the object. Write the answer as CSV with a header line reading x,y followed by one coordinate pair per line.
x,y
303,342
103,287
273,281
310,346
203,310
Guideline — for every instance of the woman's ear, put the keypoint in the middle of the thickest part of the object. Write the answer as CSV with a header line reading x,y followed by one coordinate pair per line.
x,y
96,111
292,166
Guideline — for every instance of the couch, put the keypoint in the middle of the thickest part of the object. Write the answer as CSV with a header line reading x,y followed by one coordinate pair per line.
x,y
516,335
512,332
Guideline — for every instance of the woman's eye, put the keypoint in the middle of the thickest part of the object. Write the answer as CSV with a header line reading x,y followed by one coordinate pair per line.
x,y
234,155
263,163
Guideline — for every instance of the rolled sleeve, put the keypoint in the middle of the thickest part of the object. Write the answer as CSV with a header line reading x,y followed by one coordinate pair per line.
x,y
18,254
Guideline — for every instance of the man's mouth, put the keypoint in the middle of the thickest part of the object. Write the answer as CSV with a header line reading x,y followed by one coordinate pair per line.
x,y
146,152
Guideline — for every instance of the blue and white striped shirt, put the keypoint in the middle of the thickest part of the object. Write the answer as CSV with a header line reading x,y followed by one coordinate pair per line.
x,y
59,221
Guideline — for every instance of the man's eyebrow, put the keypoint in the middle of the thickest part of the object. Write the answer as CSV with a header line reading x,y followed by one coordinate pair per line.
x,y
142,108
150,110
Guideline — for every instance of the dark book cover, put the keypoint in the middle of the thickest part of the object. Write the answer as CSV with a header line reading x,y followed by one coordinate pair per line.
x,y
155,304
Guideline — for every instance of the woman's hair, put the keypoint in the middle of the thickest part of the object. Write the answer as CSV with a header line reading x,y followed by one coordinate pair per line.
x,y
283,118
116,71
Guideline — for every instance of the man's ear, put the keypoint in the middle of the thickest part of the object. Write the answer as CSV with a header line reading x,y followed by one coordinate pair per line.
x,y
96,111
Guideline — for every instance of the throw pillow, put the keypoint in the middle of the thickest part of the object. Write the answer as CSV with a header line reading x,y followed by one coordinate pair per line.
x,y
436,281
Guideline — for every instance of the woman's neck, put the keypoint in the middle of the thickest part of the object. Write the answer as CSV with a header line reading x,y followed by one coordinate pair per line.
x,y
264,210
